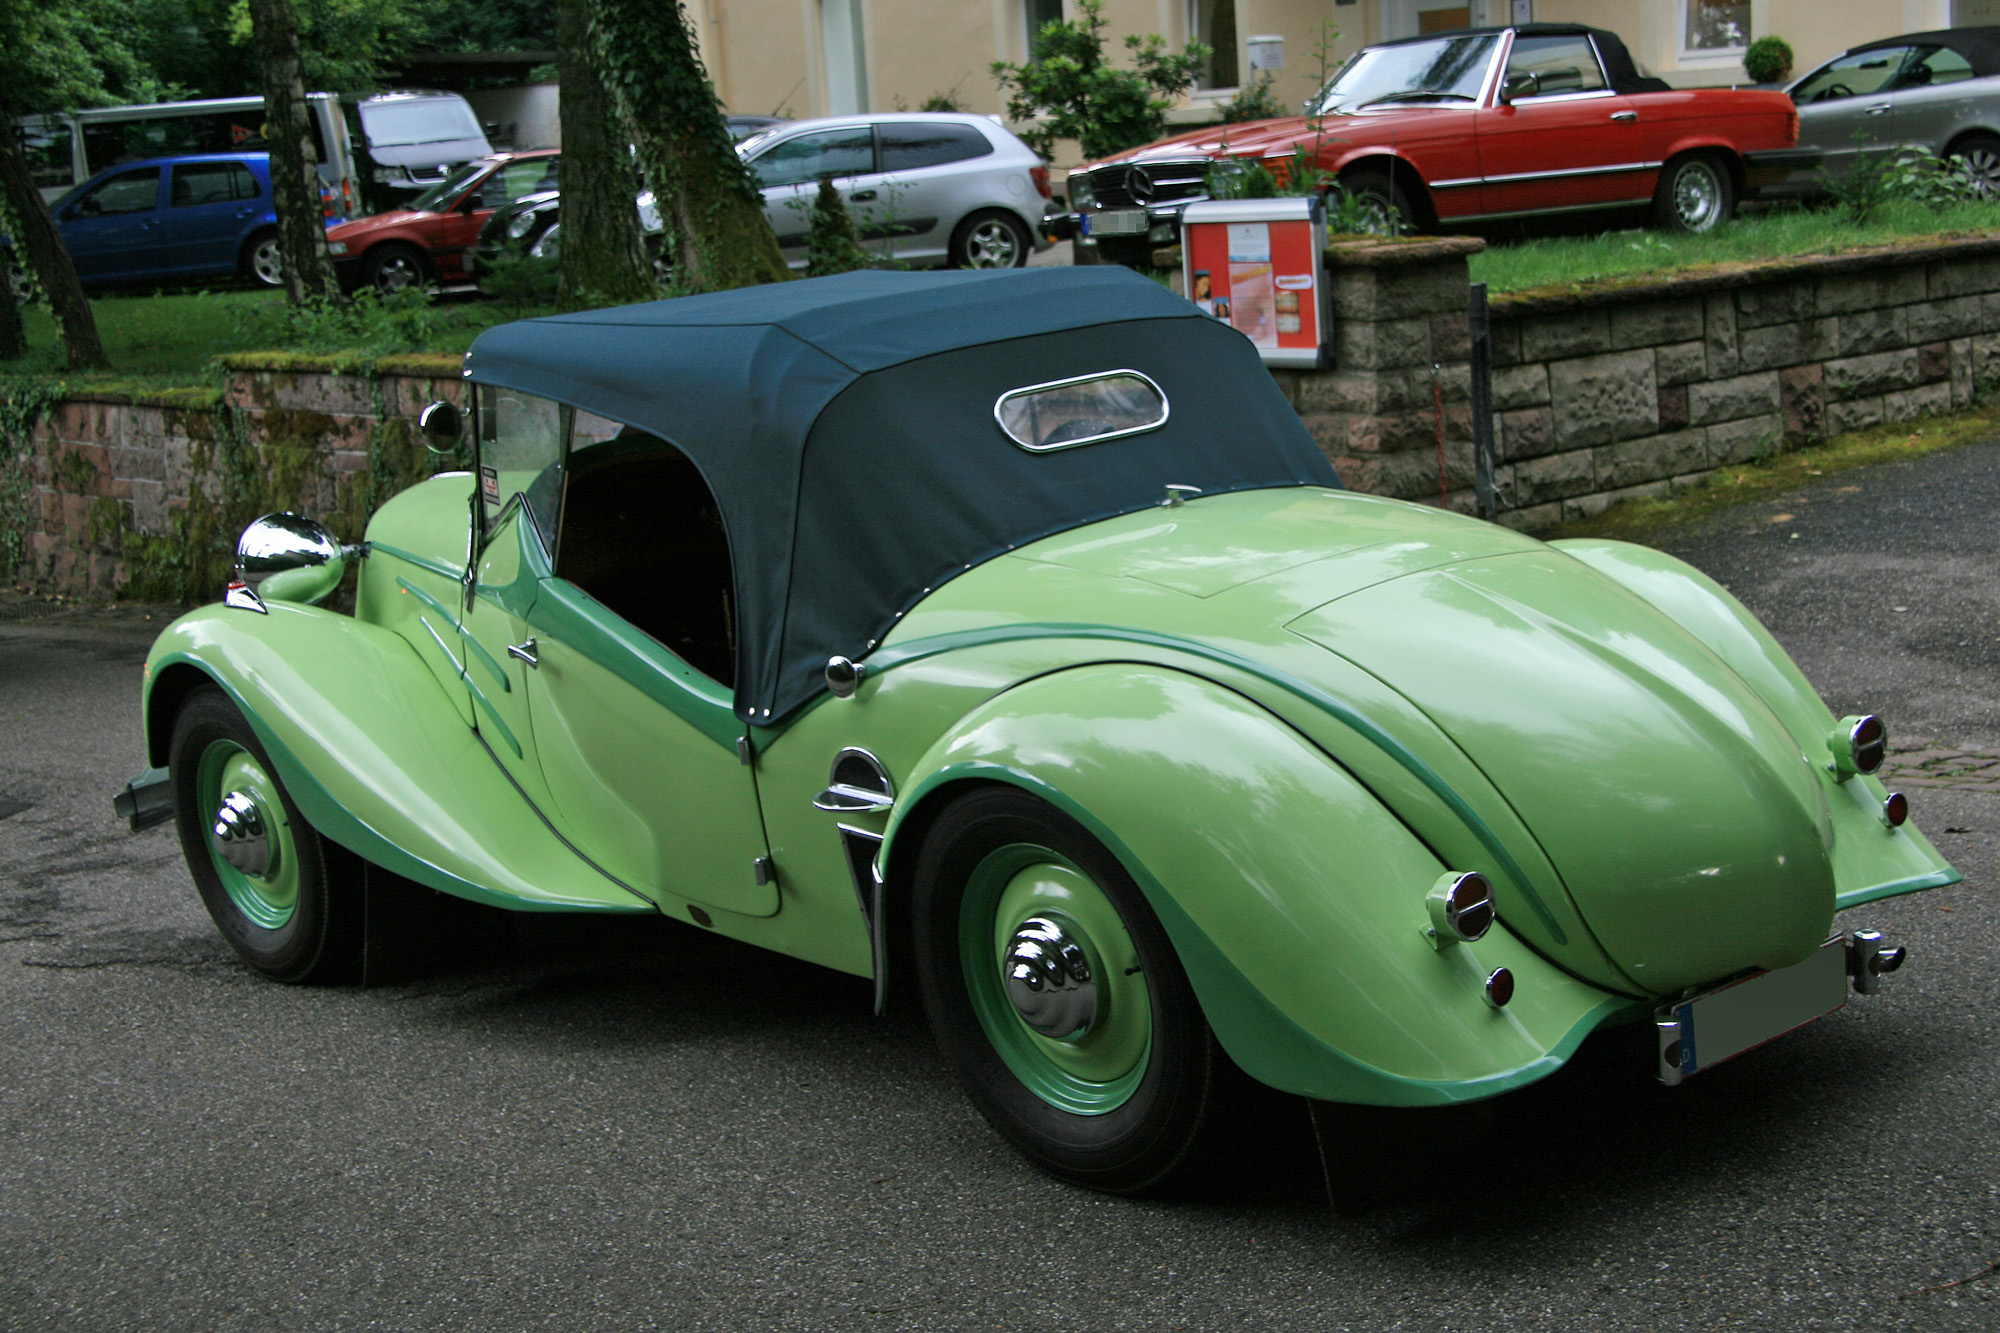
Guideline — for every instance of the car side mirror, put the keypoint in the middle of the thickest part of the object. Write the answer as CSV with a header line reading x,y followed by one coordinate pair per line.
x,y
442,427
290,558
1521,83
89,208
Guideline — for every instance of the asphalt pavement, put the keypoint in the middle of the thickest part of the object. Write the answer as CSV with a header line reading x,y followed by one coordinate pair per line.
x,y
641,1126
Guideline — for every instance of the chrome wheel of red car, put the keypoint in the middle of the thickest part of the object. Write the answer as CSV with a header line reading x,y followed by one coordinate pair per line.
x,y
1696,194
1373,205
394,268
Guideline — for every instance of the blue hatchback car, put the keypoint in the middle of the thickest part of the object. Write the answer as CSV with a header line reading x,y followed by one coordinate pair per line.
x,y
173,219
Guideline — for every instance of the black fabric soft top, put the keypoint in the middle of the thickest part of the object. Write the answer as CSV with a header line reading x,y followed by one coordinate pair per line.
x,y
1979,46
1620,70
846,426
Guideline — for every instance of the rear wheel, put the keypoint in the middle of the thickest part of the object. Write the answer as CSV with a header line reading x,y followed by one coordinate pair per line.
x,y
1979,155
263,262
992,239
394,268
287,901
1695,194
1056,996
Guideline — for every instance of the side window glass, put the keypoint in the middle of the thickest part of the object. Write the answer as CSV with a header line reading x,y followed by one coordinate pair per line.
x,y
1857,75
199,183
133,192
519,178
1546,66
641,533
1940,65
907,147
849,152
520,456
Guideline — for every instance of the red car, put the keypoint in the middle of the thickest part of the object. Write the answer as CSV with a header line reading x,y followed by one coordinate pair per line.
x,y
426,243
1474,126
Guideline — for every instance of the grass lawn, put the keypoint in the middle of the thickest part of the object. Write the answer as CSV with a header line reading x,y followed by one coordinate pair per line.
x,y
1567,262
166,340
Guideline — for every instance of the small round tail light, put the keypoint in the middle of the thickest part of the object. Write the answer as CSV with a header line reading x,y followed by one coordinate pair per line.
x,y
1859,745
1461,908
1896,810
1499,987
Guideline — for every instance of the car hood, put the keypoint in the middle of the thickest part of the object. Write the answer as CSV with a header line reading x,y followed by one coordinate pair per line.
x,y
376,222
1276,138
1659,826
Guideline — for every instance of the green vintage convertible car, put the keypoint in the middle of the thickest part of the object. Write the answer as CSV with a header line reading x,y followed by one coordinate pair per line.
x,y
1006,638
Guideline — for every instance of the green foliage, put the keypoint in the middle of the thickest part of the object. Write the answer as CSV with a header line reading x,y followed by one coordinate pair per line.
x,y
404,321
1355,213
1074,94
1913,175
519,280
1295,174
58,56
1255,101
831,243
1769,60
24,404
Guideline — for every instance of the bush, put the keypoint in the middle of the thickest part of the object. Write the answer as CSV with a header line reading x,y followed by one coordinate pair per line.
x,y
1253,102
1914,175
1769,60
831,243
1068,89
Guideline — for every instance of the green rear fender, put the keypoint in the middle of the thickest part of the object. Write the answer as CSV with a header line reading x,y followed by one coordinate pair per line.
x,y
374,754
1293,898
1870,860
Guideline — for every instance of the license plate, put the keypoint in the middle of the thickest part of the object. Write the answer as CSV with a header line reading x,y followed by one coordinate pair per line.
x,y
1118,222
1731,1019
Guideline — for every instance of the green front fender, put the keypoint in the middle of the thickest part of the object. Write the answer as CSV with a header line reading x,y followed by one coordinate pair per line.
x,y
374,754
1294,899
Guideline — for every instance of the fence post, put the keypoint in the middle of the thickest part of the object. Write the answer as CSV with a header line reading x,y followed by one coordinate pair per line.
x,y
1482,406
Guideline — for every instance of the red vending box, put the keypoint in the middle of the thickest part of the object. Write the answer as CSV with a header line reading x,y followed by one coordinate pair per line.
x,y
1255,264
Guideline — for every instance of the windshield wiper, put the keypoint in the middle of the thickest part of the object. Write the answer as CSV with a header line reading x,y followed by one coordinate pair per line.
x,y
1418,95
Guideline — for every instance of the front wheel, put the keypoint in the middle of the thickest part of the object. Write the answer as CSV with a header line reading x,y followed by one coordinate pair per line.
x,y
991,240
1057,999
1695,194
394,268
1369,203
288,902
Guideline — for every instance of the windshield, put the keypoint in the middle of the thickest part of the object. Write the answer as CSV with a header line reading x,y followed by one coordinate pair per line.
x,y
402,124
1450,69
448,189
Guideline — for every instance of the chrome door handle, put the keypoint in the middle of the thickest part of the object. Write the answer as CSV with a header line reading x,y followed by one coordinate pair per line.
x,y
1879,109
525,651
861,196
1624,115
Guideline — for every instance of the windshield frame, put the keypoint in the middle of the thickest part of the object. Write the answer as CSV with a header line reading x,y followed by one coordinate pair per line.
x,y
448,191
1330,101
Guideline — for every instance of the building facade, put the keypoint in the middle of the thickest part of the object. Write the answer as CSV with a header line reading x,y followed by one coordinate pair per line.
x,y
829,57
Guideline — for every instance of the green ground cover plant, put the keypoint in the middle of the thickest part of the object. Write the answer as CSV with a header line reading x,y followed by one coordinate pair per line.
x,y
1567,263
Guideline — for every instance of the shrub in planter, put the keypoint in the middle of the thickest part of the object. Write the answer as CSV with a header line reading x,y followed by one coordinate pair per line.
x,y
1769,60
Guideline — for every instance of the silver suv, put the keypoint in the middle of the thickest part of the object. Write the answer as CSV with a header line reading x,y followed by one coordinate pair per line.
x,y
924,187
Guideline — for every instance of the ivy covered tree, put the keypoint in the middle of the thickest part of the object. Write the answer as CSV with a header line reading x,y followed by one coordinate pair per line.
x,y
717,234
295,180
601,258
1074,94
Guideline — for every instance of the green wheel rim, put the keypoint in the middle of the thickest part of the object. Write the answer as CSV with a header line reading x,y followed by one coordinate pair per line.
x,y
268,900
1098,1071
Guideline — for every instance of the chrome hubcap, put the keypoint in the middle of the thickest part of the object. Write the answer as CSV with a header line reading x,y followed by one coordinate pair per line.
x,y
1982,171
1697,196
991,245
1049,979
397,274
240,836
269,263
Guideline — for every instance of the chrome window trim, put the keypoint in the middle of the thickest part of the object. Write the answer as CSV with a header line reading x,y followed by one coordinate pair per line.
x,y
1613,170
1166,410
1544,99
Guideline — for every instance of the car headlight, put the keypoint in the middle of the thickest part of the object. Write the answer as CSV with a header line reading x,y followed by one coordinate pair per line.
x,y
1080,193
386,175
336,247
520,225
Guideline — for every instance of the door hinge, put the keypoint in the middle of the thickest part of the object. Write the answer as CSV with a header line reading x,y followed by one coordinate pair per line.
x,y
764,870
744,754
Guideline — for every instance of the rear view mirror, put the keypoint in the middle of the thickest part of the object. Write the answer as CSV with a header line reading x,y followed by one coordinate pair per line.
x,y
1521,83
441,426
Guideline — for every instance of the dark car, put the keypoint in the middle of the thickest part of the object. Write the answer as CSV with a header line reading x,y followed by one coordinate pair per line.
x,y
173,218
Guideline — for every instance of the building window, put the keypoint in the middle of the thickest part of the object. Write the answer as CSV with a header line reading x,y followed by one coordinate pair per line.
x,y
845,48
1213,24
1036,15
1715,26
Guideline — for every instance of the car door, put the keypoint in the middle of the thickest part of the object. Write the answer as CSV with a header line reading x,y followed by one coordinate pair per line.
x,y
113,229
209,205
1846,108
789,171
1558,137
933,174
633,645
1934,98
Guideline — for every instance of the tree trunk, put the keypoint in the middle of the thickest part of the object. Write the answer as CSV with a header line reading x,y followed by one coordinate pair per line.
x,y
49,258
13,338
712,206
602,255
294,175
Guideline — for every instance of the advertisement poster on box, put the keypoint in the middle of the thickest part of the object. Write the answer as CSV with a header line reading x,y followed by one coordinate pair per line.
x,y
1255,265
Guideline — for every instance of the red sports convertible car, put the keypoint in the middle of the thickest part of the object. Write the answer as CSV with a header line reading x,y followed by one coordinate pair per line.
x,y
1474,126
428,241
